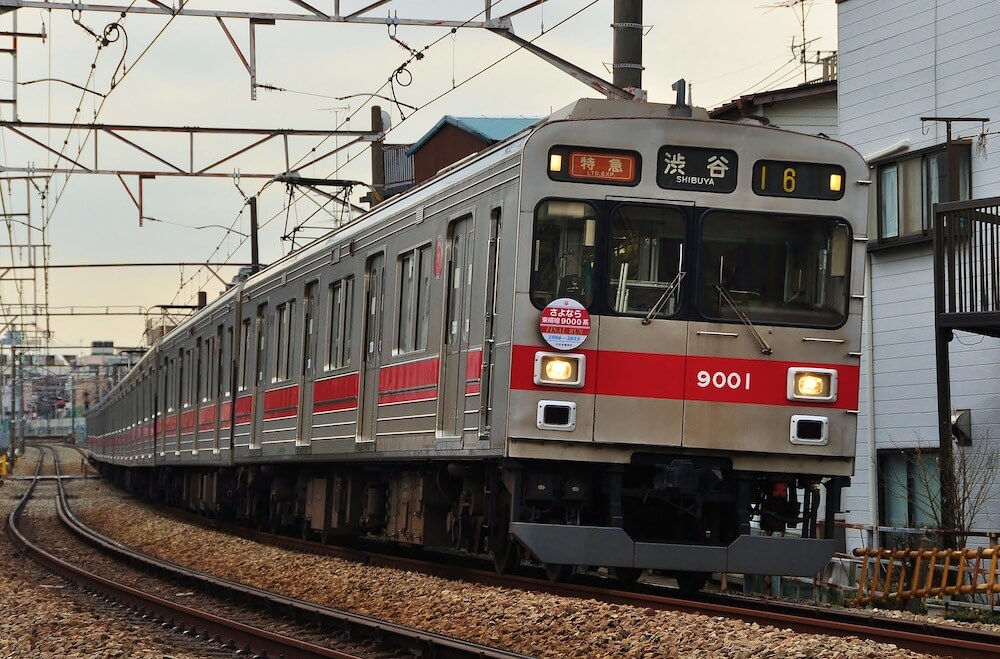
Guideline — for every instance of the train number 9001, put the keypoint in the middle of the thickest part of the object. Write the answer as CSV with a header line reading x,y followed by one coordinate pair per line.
x,y
723,380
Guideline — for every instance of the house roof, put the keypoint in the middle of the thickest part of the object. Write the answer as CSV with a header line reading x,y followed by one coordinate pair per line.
x,y
764,98
488,129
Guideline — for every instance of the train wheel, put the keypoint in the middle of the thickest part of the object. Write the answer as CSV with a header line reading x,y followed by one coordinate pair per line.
x,y
626,574
557,571
691,582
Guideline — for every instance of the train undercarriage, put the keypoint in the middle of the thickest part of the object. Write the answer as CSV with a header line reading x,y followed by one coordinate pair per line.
x,y
677,514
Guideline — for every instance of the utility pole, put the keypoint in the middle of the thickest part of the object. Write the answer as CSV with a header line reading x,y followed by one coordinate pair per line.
x,y
627,65
13,401
943,336
378,158
254,250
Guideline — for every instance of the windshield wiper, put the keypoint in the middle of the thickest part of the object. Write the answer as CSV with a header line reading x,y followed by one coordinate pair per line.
x,y
671,287
724,294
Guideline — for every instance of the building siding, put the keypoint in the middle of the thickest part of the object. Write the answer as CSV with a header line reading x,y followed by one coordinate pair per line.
x,y
900,60
812,115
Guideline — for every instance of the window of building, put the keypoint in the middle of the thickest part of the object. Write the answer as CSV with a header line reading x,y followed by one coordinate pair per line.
x,y
414,303
908,187
340,324
909,488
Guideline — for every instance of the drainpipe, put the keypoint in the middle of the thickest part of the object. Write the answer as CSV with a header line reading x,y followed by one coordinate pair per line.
x,y
869,355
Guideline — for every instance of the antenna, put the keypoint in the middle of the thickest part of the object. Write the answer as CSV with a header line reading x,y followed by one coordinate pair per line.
x,y
801,9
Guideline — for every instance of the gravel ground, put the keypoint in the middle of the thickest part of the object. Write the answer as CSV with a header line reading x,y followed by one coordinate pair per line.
x,y
531,623
42,617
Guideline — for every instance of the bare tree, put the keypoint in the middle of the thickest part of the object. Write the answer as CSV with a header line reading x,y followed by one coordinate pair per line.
x,y
975,467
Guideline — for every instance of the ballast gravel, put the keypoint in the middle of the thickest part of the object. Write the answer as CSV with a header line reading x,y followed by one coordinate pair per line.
x,y
42,617
535,624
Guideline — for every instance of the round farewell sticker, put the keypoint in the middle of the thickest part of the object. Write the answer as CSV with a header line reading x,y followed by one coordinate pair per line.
x,y
565,324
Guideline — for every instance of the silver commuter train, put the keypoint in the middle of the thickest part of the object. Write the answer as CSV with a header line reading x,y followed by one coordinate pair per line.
x,y
619,338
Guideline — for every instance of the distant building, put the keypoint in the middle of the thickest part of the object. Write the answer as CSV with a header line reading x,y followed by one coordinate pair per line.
x,y
810,108
454,138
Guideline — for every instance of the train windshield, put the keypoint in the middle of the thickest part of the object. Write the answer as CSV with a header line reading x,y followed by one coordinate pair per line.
x,y
775,269
563,253
646,255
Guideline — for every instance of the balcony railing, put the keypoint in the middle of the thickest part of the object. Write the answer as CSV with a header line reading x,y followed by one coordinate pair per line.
x,y
967,265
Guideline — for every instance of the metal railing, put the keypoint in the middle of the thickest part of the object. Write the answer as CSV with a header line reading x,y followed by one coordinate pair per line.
x,y
967,234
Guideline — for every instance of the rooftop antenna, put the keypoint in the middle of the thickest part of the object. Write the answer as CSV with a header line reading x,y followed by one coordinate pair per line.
x,y
801,9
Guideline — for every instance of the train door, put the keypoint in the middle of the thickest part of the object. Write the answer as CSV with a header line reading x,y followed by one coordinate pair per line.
x,y
259,378
458,307
639,376
307,373
489,329
371,350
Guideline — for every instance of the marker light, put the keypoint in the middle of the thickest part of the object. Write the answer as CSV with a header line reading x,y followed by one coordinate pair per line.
x,y
815,384
836,181
559,369
555,162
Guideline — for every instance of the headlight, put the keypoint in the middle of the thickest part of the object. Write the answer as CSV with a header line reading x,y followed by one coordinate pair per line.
x,y
559,369
812,384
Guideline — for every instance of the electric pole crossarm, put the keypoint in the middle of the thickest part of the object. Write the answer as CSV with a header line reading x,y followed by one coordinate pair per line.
x,y
594,82
161,165
311,17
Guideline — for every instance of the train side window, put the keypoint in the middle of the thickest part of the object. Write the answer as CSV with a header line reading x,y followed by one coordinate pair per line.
x,y
225,364
244,375
339,337
308,328
204,359
284,328
185,374
414,305
563,244
261,328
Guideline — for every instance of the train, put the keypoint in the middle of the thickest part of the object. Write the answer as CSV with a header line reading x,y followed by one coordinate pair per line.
x,y
626,337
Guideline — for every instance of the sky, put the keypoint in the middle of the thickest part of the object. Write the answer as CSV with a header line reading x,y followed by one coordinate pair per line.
x,y
155,71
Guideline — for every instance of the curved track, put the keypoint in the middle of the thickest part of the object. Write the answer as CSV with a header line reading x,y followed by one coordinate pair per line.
x,y
368,636
919,636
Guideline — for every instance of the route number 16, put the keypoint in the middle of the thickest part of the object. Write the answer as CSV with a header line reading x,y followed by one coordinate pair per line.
x,y
722,380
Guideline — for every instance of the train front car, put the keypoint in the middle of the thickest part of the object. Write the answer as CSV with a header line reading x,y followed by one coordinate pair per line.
x,y
686,343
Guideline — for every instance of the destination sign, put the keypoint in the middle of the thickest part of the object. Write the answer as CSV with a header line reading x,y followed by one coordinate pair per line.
x,y
584,165
696,168
803,180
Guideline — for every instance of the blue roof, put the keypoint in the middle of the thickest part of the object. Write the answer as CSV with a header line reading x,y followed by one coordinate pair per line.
x,y
488,129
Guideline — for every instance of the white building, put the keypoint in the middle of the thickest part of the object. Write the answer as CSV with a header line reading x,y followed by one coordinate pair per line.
x,y
901,61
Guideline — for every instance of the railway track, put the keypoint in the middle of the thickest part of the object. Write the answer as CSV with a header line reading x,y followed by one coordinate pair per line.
x,y
249,621
919,636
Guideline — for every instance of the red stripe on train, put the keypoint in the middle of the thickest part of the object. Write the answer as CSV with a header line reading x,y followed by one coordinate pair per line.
x,y
473,372
336,393
244,409
206,418
408,382
677,377
281,403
